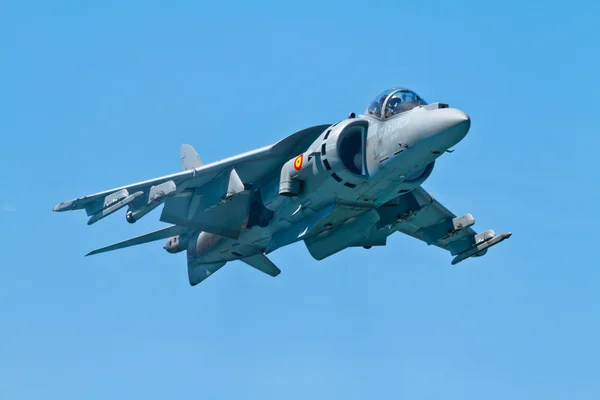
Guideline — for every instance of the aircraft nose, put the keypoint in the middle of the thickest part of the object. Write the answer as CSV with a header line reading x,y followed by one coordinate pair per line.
x,y
453,125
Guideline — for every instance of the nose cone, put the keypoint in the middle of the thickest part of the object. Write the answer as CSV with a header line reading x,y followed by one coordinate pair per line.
x,y
453,125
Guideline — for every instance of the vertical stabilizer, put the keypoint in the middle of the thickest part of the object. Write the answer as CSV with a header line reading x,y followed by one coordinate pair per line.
x,y
199,272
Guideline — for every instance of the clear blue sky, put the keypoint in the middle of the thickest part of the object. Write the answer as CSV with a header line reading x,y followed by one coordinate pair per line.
x,y
93,96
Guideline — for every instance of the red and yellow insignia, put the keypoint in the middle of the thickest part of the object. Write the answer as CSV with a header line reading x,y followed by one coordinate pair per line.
x,y
298,162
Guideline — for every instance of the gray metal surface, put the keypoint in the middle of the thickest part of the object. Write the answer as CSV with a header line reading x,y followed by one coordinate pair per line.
x,y
349,184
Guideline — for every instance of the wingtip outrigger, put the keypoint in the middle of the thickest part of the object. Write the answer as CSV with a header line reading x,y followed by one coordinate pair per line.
x,y
483,242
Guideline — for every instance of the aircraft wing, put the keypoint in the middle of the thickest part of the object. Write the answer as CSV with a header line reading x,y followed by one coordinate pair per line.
x,y
419,215
203,186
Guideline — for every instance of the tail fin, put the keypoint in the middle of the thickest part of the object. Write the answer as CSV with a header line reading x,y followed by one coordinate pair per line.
x,y
189,158
199,272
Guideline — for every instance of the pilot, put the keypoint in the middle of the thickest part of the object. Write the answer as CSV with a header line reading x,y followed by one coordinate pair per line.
x,y
393,106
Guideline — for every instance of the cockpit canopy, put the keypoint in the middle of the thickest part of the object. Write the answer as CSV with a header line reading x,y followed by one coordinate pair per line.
x,y
394,101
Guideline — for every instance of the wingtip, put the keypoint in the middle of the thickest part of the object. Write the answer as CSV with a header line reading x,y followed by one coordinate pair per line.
x,y
64,206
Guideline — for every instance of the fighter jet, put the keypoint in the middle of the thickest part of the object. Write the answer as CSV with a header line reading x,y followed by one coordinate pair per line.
x,y
348,184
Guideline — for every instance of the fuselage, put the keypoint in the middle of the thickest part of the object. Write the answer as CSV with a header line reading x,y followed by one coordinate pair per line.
x,y
360,163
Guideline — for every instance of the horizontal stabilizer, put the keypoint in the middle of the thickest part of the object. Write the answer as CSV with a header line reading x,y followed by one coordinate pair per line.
x,y
146,238
262,263
189,158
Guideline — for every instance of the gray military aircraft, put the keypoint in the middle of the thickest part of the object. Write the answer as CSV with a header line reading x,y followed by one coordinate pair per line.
x,y
349,184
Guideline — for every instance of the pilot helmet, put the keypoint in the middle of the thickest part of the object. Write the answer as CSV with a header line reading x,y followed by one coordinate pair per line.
x,y
393,105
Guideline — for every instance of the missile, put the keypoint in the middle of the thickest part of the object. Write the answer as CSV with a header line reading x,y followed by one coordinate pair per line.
x,y
114,207
481,246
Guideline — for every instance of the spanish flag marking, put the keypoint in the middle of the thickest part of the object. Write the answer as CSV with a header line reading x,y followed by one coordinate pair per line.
x,y
298,162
